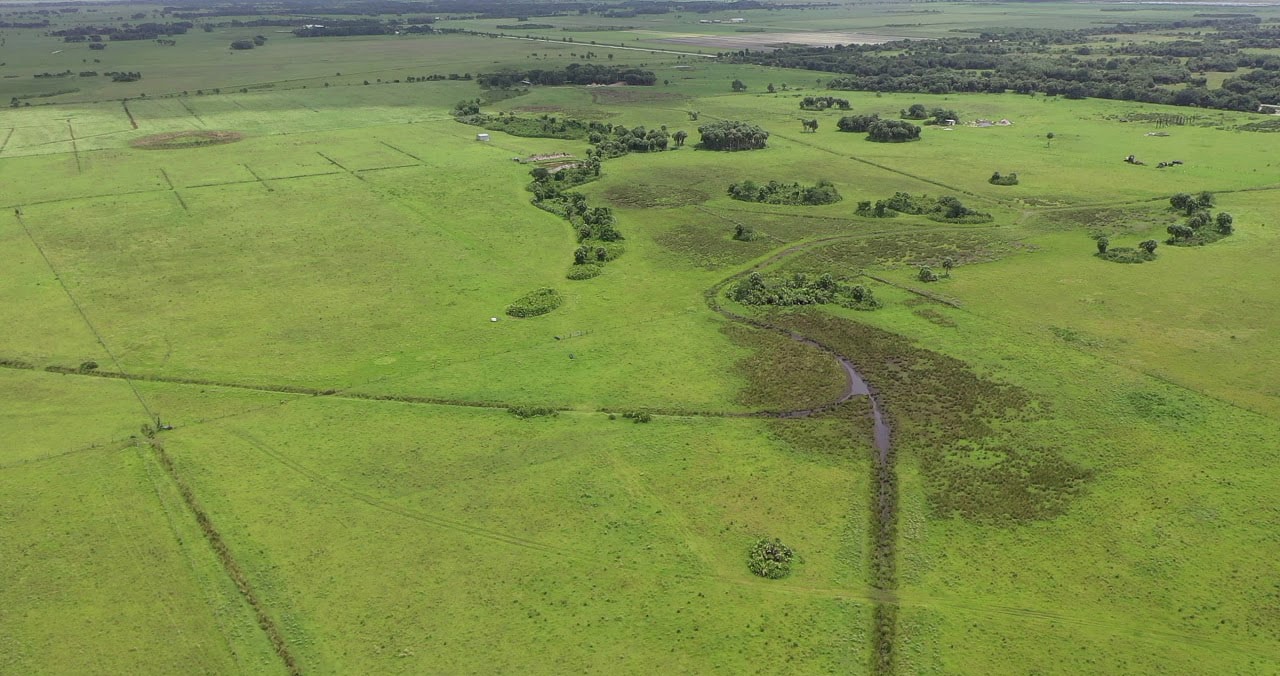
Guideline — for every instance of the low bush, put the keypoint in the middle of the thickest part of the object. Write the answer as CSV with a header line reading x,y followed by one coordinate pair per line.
x,y
535,303
1126,254
585,271
638,416
1003,179
800,289
773,192
770,558
531,411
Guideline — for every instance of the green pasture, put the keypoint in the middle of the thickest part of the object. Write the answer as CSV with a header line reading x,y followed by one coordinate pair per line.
x,y
1083,450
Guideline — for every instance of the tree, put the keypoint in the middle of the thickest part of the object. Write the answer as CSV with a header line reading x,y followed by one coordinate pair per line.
x,y
1225,223
947,264
1048,139
680,136
1183,202
810,125
242,44
739,86
1149,246
1199,219
1177,231
771,88
917,111
693,115
1204,200
1103,243
926,274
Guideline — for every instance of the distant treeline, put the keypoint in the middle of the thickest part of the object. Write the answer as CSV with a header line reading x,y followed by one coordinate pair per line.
x,y
142,31
574,73
1030,61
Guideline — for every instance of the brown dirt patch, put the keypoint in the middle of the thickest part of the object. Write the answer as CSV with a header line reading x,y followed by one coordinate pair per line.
x,y
176,140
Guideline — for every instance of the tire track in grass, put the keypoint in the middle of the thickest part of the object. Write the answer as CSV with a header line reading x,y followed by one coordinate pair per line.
x,y
5,143
124,103
192,112
402,151
75,148
84,316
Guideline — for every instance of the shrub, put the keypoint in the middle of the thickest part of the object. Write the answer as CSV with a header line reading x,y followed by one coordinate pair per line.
x,y
773,192
1006,179
857,123
88,366
531,411
535,303
800,289
926,274
587,271
1127,254
744,233
770,558
638,416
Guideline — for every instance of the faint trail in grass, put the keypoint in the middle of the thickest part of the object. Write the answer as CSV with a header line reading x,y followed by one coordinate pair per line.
x,y
450,524
102,446
151,416
5,143
228,561
740,224
918,292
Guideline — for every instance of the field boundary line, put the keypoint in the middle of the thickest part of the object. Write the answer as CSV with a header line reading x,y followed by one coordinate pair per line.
x,y
124,103
335,163
85,317
182,100
228,561
256,177
75,148
108,446
5,144
605,45
402,151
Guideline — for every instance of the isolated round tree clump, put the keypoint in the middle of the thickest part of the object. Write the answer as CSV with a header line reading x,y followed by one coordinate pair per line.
x,y
769,558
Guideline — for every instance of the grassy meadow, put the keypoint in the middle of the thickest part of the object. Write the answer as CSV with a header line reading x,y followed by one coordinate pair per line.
x,y
256,398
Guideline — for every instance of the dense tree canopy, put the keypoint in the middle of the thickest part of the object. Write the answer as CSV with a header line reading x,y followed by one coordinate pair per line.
x,y
732,135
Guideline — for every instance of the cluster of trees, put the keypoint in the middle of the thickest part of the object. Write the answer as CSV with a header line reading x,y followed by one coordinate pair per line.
x,y
823,103
437,77
574,73
918,111
800,289
773,192
1003,179
732,135
945,209
125,76
857,123
892,131
257,41
343,28
1201,227
620,140
143,31
1031,61
542,126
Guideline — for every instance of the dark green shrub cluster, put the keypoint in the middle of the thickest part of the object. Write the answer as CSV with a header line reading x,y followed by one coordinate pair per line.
x,y
1201,227
857,123
800,289
1190,204
823,103
574,73
945,209
770,558
1003,179
585,271
548,182
638,416
535,303
744,233
542,126
1126,254
773,192
732,135
531,411
878,210
892,131
621,140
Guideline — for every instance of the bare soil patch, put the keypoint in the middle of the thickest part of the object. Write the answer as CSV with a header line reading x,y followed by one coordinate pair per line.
x,y
176,140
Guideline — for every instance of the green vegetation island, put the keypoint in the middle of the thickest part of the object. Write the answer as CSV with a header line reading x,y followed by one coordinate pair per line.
x,y
719,336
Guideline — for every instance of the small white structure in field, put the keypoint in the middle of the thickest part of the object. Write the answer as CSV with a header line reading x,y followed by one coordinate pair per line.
x,y
737,20
949,123
482,137
1004,122
493,319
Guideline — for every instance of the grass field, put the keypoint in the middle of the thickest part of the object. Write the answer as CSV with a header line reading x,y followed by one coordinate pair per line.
x,y
257,405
